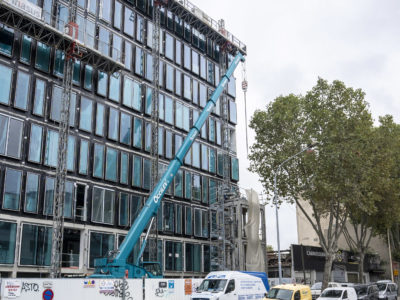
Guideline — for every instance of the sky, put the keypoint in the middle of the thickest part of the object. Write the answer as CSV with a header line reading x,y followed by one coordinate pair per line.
x,y
290,43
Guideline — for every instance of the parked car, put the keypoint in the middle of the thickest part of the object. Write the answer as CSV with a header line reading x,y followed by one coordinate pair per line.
x,y
316,288
367,291
387,290
338,293
290,292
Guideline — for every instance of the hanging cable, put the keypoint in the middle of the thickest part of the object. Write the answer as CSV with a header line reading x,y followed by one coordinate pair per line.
x,y
244,88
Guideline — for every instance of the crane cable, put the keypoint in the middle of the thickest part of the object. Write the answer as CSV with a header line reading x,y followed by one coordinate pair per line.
x,y
244,88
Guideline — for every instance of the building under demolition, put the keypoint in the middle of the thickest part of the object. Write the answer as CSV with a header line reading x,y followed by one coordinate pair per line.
x,y
111,152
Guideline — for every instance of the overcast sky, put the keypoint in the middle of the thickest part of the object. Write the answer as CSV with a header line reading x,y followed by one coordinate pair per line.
x,y
292,42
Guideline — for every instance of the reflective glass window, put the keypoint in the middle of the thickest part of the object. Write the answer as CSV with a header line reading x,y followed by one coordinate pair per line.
x,y
83,157
195,88
100,119
35,143
210,72
68,199
212,158
123,209
139,61
161,71
139,28
135,207
102,83
160,141
128,55
197,222
169,83
178,114
7,240
187,57
168,144
105,10
113,124
51,151
188,157
204,223
203,67
195,62
169,216
178,142
234,169
146,173
92,6
204,157
88,78
115,82
186,118
213,191
35,245
178,184
98,161
169,110
196,154
178,225
49,196
149,66
117,15
39,96
86,112
188,185
47,10
169,46
232,112
178,52
59,63
161,111
147,137
211,130
188,220
217,75
126,129
56,103
173,256
178,83
76,73
204,189
100,245
137,134
218,132
187,87
203,95
103,205
117,48
71,153
148,101
26,49
196,188
12,189
232,86
31,193
42,57
220,164
129,19
111,164
6,40
22,90
132,94
124,168
137,171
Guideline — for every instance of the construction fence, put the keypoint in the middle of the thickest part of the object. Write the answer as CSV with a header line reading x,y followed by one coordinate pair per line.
x,y
97,289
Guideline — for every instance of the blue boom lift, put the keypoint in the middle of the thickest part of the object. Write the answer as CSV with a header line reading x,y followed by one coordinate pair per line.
x,y
117,266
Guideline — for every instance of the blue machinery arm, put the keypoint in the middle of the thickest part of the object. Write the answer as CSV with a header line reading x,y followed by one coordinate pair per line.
x,y
117,267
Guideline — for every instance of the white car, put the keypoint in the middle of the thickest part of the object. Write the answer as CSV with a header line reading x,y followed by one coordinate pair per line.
x,y
339,293
316,288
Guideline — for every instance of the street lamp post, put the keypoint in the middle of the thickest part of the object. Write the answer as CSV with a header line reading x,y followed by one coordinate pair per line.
x,y
277,171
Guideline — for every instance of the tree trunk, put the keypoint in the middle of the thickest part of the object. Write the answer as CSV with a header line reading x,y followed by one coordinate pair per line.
x,y
361,268
327,270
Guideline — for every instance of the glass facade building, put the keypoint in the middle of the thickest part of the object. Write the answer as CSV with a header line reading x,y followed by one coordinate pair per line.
x,y
108,157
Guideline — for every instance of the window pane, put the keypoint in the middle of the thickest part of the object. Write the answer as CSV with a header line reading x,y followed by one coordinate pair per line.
x,y
178,142
100,119
187,92
12,189
36,245
111,164
117,15
196,188
178,83
14,138
6,40
204,190
7,240
146,173
139,28
71,153
48,196
76,73
5,84
204,157
31,193
203,95
195,62
128,55
169,216
186,57
124,168
169,110
115,82
35,143
39,96
203,68
195,92
178,52
178,226
213,191
123,209
139,64
168,144
210,72
22,90
188,185
204,223
69,199
178,184
137,171
169,84
212,159
148,101
56,105
102,83
83,157
137,135
88,80
100,245
105,10
149,66
51,151
59,63
178,115
147,137
126,128
136,207
197,222
169,46
98,163
234,169
232,112
196,154
3,133
42,57
85,122
97,204
117,48
113,123
188,221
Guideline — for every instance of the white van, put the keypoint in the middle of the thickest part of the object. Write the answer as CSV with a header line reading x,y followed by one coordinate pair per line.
x,y
338,293
232,285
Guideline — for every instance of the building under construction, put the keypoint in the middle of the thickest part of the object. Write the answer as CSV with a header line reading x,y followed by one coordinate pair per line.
x,y
95,98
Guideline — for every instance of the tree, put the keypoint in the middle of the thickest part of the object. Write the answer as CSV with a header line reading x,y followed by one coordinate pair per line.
x,y
336,117
378,186
270,248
